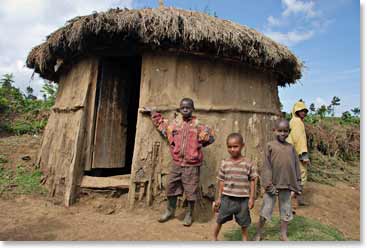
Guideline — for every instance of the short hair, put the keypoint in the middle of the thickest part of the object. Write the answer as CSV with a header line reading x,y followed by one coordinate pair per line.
x,y
277,123
237,136
186,99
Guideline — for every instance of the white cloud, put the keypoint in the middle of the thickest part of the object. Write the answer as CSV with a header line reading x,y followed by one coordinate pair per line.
x,y
290,38
298,6
273,22
26,23
299,21
319,101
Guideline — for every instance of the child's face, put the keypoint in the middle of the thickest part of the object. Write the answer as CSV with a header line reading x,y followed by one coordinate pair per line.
x,y
186,109
234,147
302,114
282,131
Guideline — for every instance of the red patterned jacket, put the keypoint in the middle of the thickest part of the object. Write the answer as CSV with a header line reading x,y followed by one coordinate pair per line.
x,y
186,138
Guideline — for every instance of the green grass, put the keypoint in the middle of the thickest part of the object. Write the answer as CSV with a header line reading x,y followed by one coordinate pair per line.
x,y
23,126
3,159
20,181
300,229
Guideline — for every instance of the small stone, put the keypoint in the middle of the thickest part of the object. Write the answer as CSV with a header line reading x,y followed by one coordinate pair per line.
x,y
110,211
26,158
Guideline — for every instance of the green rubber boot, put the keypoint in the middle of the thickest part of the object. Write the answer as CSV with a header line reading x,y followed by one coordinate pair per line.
x,y
189,211
170,211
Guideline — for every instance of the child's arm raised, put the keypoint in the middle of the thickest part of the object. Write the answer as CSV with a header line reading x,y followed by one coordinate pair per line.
x,y
161,123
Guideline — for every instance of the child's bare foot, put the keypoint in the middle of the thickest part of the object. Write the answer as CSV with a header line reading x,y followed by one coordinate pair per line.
x,y
257,237
283,238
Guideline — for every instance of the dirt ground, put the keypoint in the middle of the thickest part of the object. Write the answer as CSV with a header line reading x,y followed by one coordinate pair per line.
x,y
102,217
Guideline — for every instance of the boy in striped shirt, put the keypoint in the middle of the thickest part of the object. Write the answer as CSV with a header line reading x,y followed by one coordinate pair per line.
x,y
236,187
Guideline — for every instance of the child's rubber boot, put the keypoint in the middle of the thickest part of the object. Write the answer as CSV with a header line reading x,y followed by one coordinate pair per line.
x,y
170,210
259,229
284,231
189,211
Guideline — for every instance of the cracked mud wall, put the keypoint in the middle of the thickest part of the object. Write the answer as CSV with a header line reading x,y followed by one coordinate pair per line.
x,y
228,97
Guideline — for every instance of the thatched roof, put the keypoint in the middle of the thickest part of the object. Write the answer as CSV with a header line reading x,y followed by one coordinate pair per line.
x,y
163,28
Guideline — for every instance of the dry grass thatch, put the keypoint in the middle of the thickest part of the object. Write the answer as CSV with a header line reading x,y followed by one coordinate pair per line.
x,y
163,28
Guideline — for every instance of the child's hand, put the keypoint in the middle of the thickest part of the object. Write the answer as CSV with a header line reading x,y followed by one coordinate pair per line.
x,y
216,206
147,110
306,162
203,136
251,203
271,190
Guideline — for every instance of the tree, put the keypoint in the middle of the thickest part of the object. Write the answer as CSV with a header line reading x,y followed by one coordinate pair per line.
x,y
49,90
322,111
335,101
331,108
312,108
346,116
356,111
30,95
7,80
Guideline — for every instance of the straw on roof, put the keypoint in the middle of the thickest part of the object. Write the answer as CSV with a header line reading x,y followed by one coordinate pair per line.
x,y
163,28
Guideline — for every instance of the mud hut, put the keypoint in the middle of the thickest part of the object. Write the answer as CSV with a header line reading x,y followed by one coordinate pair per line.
x,y
110,64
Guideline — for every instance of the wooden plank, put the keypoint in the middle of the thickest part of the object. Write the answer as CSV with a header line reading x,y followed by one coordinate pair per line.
x,y
121,182
111,122
76,168
90,120
58,157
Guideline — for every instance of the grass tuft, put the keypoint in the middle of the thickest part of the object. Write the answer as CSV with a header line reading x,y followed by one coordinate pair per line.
x,y
20,181
300,229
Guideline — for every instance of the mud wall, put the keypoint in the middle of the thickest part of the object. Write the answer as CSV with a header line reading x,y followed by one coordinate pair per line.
x,y
228,97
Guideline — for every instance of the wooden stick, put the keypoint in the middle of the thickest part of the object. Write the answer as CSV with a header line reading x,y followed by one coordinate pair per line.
x,y
141,191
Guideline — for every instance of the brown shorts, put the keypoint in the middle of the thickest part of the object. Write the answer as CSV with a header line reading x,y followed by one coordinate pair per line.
x,y
184,179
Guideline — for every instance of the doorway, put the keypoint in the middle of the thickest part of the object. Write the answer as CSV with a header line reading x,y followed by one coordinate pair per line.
x,y
116,111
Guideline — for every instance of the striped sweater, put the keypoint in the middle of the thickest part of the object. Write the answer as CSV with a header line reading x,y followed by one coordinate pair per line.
x,y
237,176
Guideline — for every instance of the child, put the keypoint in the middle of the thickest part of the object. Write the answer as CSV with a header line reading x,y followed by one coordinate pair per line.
x,y
280,176
186,137
236,187
297,137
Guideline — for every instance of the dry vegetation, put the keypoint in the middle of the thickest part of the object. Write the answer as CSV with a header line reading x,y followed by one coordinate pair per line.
x,y
163,28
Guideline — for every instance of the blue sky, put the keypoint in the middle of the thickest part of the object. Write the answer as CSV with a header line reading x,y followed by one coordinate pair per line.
x,y
324,34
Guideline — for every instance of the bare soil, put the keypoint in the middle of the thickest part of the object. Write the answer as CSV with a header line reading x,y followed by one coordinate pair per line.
x,y
104,217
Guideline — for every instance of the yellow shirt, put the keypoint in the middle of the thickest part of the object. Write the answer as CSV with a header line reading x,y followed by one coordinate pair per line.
x,y
297,136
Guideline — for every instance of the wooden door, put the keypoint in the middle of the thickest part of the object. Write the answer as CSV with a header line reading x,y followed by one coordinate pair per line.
x,y
111,117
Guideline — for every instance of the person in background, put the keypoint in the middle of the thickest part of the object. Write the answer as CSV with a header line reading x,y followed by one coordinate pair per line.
x,y
297,137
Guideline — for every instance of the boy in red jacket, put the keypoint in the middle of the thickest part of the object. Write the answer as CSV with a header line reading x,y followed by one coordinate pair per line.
x,y
186,137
